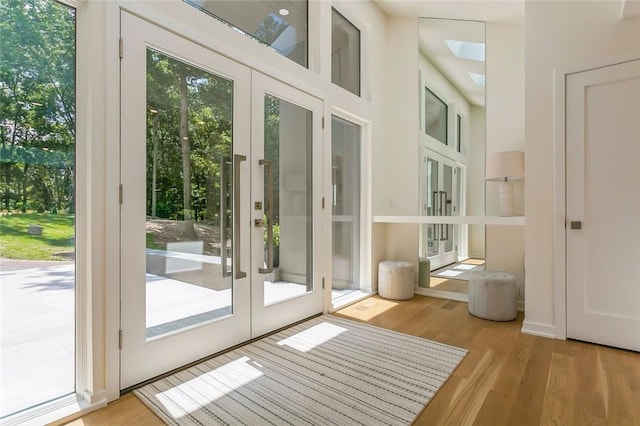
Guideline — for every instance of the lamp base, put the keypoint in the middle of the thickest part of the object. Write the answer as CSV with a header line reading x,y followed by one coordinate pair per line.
x,y
505,198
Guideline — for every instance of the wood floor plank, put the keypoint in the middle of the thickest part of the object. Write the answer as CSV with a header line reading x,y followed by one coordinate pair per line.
x,y
507,378
558,406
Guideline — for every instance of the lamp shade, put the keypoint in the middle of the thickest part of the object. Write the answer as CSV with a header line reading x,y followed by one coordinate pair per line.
x,y
507,165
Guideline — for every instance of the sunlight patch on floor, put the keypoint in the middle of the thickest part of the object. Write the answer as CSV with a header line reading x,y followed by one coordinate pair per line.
x,y
203,390
368,309
312,337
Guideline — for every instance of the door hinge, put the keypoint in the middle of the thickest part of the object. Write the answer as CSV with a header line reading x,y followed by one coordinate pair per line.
x,y
121,48
323,122
120,339
323,283
120,191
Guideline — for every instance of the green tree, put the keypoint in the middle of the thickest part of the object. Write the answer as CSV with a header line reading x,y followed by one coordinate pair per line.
x,y
37,105
190,126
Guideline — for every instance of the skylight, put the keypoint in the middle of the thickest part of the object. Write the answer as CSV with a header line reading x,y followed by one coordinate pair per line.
x,y
478,79
466,49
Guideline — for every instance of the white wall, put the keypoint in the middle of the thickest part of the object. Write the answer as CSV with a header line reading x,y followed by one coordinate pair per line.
x,y
558,34
395,159
505,132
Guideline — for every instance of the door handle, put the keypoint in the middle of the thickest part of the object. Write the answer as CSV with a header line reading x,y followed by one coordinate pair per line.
x,y
223,217
443,226
268,207
237,159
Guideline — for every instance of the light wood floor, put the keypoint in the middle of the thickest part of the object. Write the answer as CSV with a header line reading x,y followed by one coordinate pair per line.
x,y
508,378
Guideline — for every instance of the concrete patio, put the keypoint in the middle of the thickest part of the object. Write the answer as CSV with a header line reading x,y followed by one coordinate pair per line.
x,y
37,352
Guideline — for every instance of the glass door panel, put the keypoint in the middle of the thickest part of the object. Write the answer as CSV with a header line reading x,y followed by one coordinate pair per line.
x,y
345,202
432,207
182,184
288,198
38,198
447,208
188,238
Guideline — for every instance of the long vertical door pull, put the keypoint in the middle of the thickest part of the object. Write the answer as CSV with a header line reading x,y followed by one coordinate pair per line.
x,y
237,239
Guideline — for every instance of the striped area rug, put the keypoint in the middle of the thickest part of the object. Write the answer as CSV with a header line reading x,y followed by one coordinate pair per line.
x,y
325,371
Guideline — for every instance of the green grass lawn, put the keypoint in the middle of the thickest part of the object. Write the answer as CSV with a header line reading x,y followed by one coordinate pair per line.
x,y
55,243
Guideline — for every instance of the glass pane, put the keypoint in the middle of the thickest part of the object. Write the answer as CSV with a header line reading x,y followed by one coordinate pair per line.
x,y
458,204
447,209
345,53
188,232
287,145
345,182
37,199
432,207
281,25
459,134
435,116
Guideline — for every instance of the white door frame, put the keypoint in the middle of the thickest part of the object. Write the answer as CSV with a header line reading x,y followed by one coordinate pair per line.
x,y
560,146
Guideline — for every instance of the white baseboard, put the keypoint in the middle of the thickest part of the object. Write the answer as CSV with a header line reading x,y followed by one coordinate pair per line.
x,y
538,329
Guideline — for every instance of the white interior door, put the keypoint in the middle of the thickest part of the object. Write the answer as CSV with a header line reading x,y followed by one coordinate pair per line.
x,y
439,186
603,205
202,137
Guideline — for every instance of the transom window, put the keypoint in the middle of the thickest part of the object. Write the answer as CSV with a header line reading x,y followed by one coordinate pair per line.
x,y
436,111
345,53
282,25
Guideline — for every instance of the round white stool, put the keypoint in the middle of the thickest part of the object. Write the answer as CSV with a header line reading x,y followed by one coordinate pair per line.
x,y
492,295
395,280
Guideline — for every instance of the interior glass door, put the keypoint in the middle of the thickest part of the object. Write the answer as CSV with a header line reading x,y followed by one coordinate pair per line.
x,y
184,178
287,235
439,187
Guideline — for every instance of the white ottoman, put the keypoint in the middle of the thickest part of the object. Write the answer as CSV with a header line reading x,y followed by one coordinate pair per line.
x,y
492,295
395,280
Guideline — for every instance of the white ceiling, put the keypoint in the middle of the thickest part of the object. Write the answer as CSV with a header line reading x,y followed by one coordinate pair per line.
x,y
507,11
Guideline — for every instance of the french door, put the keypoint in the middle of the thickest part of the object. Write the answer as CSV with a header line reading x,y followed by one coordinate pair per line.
x,y
439,198
220,229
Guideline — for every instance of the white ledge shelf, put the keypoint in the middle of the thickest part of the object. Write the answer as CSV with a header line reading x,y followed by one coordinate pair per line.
x,y
454,220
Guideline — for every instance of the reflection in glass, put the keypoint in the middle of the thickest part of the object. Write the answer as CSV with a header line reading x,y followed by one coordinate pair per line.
x,y
288,149
38,203
281,25
345,53
447,209
432,198
345,182
458,133
188,231
435,116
